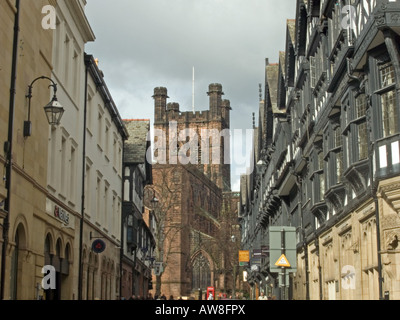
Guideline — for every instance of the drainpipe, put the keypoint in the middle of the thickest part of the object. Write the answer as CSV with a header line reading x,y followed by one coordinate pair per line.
x,y
121,255
321,295
8,148
299,204
80,276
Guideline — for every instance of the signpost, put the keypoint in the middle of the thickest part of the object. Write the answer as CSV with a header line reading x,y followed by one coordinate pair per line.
x,y
158,268
283,254
244,258
256,257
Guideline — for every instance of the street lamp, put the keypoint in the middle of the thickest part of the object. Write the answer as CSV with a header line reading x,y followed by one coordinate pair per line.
x,y
54,111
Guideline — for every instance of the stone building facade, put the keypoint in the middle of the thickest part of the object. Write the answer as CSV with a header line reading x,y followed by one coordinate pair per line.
x,y
329,163
22,218
192,181
207,133
41,204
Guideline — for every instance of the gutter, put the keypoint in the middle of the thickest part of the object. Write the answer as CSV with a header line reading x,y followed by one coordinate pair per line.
x,y
8,148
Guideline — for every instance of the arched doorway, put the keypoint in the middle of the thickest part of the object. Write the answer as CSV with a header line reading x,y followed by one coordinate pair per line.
x,y
49,294
16,263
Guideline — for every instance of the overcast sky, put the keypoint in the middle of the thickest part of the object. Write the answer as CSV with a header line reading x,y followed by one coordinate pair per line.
x,y
143,44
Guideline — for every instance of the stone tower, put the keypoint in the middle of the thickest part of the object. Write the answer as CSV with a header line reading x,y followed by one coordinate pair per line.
x,y
210,127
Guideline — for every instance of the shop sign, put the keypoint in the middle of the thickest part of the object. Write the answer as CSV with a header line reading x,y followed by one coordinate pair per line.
x,y
61,214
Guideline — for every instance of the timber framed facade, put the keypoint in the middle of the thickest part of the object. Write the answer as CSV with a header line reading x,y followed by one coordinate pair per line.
x,y
330,160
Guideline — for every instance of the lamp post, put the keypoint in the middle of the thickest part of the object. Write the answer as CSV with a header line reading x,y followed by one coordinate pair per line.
x,y
54,111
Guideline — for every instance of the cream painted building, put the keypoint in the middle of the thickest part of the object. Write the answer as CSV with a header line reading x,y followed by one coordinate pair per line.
x,y
47,188
99,149
105,136
62,234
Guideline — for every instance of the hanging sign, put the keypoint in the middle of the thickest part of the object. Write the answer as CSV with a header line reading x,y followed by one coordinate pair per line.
x,y
98,246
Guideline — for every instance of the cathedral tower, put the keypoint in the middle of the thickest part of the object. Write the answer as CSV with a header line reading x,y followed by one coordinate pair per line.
x,y
210,126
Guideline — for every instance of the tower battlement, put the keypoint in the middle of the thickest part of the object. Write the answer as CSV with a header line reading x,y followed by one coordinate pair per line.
x,y
216,118
219,109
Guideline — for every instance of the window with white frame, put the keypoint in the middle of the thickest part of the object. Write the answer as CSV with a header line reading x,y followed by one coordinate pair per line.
x,y
338,141
313,72
389,111
63,166
321,185
88,185
362,130
100,121
99,204
73,170
67,55
107,140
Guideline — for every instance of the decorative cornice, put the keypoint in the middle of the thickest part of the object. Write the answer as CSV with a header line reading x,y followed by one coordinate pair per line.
x,y
78,14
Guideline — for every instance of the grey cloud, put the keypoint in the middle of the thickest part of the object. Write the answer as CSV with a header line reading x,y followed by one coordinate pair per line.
x,y
143,44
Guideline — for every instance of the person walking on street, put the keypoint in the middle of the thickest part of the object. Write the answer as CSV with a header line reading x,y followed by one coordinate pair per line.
x,y
262,296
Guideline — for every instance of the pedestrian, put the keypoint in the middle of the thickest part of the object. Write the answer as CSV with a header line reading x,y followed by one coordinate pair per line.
x,y
171,297
149,296
262,296
133,297
163,297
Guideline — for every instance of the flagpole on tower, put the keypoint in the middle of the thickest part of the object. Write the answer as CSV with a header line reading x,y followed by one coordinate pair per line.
x,y
193,91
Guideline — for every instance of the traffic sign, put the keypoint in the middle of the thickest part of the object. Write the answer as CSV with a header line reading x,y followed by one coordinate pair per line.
x,y
283,262
158,268
276,240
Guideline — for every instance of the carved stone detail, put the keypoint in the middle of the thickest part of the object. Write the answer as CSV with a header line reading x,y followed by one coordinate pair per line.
x,y
390,222
392,239
395,17
380,20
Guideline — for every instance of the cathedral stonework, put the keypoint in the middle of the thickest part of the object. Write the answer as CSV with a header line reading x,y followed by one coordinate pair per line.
x,y
193,184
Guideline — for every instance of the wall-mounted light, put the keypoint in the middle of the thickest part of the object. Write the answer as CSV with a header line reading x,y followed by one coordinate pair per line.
x,y
54,111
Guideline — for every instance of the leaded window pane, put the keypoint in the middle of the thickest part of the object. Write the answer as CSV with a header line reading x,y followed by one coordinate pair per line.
x,y
338,138
387,75
389,113
339,168
322,186
320,161
361,106
201,274
313,72
362,141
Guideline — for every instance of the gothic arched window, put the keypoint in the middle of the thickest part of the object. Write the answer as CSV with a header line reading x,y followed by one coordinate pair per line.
x,y
201,275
